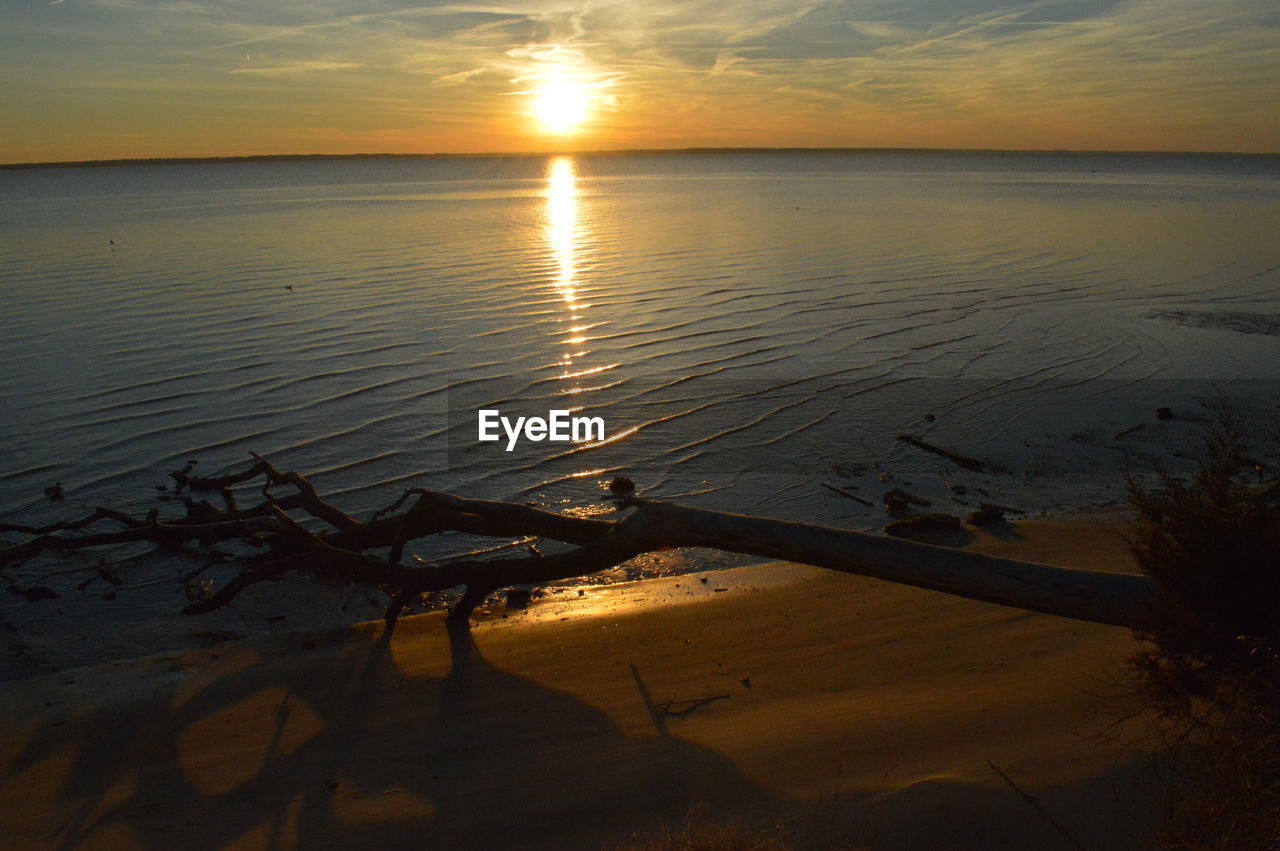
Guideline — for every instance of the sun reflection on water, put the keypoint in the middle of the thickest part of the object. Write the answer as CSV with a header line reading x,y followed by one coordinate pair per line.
x,y
564,243
562,226
563,238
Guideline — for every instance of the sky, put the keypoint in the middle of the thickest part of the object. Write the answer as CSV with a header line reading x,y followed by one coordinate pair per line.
x,y
106,79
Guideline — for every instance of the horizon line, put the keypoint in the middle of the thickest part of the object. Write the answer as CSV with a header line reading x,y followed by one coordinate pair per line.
x,y
193,160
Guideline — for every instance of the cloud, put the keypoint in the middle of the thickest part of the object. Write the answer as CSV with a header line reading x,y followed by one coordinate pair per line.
x,y
459,76
825,71
1170,54
724,61
296,68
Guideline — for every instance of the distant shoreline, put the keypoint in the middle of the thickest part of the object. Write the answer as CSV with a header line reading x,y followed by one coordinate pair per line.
x,y
256,158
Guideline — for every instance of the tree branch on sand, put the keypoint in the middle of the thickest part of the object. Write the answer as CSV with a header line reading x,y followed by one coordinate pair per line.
x,y
343,549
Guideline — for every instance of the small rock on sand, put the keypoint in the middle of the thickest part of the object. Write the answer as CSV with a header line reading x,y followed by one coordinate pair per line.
x,y
985,517
911,526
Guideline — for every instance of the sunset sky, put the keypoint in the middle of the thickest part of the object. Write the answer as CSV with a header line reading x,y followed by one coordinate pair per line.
x,y
101,79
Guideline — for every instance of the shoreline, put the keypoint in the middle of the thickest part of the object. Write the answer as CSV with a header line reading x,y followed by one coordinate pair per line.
x,y
846,709
308,606
632,152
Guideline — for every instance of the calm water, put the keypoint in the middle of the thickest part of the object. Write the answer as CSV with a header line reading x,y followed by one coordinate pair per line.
x,y
749,326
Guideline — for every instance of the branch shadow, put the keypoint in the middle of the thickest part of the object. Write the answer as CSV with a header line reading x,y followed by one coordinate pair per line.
x,y
346,748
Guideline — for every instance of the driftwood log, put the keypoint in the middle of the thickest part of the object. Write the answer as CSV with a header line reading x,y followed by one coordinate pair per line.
x,y
644,526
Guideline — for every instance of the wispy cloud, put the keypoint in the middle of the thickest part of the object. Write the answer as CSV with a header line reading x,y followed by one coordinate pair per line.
x,y
295,68
459,76
1088,73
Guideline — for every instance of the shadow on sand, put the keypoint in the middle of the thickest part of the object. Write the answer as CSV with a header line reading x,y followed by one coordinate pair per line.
x,y
356,743
347,750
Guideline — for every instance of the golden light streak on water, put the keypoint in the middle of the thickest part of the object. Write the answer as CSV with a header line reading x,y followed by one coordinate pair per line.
x,y
563,235
562,226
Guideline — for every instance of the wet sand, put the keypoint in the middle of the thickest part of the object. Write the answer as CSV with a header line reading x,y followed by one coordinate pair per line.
x,y
846,710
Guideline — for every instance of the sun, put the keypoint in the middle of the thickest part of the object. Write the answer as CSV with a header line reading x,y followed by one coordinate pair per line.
x,y
560,106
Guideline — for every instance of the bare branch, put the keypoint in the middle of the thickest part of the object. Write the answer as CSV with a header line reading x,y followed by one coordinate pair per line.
x,y
72,525
599,543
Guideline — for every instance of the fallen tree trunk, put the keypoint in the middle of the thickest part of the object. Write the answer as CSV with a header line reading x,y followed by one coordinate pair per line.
x,y
1118,599
1111,598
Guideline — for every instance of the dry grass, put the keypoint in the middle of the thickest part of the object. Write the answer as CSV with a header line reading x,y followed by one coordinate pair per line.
x,y
699,833
1231,799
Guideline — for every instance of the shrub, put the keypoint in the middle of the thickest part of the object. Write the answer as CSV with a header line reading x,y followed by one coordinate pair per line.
x,y
1210,665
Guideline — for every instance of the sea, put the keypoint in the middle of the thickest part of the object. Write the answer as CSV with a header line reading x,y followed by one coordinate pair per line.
x,y
756,330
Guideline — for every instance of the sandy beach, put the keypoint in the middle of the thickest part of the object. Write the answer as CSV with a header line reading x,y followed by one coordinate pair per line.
x,y
850,712
313,309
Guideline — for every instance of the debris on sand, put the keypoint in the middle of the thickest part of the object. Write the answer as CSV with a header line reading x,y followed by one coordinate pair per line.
x,y
894,503
909,527
989,516
959,460
1129,431
845,493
